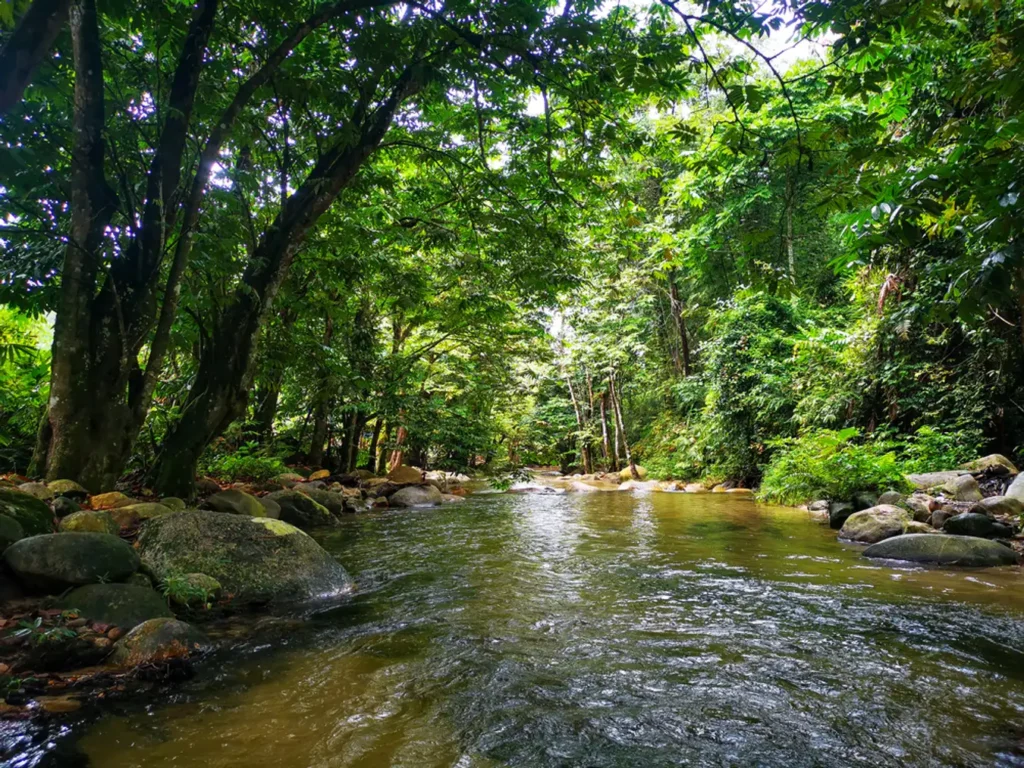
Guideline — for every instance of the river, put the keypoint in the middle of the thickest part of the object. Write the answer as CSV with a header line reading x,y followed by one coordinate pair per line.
x,y
604,629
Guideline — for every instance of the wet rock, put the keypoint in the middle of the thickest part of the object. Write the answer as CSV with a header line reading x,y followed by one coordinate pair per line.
x,y
993,464
10,532
333,501
63,506
68,489
1016,489
111,500
891,497
625,474
741,491
32,514
940,516
300,510
90,520
999,505
927,481
917,527
416,496
159,642
256,559
534,488
974,524
838,512
943,550
404,474
120,605
920,506
577,486
146,510
963,488
235,502
125,517
875,524
288,479
173,503
449,498
310,485
39,490
821,505
56,561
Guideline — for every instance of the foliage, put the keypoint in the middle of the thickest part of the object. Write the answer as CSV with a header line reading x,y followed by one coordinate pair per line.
x,y
248,463
24,369
831,465
183,591
930,449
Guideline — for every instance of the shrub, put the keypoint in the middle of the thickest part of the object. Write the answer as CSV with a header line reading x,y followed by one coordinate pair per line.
x,y
931,450
245,464
829,464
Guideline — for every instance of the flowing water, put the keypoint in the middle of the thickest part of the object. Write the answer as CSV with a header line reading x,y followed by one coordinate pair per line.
x,y
608,629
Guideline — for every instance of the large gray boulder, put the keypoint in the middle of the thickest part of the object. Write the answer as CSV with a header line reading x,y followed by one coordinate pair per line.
x,y
962,488
927,480
875,524
32,514
121,605
56,561
255,559
333,501
1015,491
300,510
999,505
416,496
943,550
993,464
10,532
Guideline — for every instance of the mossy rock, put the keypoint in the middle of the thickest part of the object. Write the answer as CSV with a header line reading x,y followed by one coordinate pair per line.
x,y
159,642
999,505
405,474
963,488
288,479
63,506
94,520
301,511
993,464
111,500
121,605
68,488
32,514
193,590
56,561
255,559
427,496
943,550
270,508
235,502
10,531
875,524
173,503
146,510
320,474
39,490
625,474
332,500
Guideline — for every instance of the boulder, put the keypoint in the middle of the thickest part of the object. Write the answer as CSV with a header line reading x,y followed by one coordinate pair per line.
x,y
145,510
288,479
940,516
1016,489
300,510
68,488
999,505
56,561
975,524
943,550
271,508
90,520
403,474
864,500
917,527
333,501
206,486
891,497
160,642
320,474
993,464
962,488
416,496
120,605
173,503
926,481
10,531
255,559
63,506
920,506
111,500
235,503
193,590
625,474
875,524
39,490
32,514
125,517
450,498
838,512
821,505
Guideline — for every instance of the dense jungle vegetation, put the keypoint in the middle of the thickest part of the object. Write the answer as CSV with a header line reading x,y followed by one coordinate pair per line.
x,y
766,242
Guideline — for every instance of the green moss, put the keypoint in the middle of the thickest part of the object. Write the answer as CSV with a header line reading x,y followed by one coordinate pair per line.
x,y
278,527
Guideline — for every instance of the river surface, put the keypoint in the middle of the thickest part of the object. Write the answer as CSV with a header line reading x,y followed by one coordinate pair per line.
x,y
606,629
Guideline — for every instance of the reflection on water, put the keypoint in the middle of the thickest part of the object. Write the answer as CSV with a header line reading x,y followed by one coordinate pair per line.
x,y
610,630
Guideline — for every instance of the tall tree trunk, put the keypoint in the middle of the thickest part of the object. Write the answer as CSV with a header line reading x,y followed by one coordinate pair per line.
x,y
27,46
682,359
266,410
790,204
398,454
371,461
609,458
219,392
382,459
580,429
617,403
319,436
355,429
